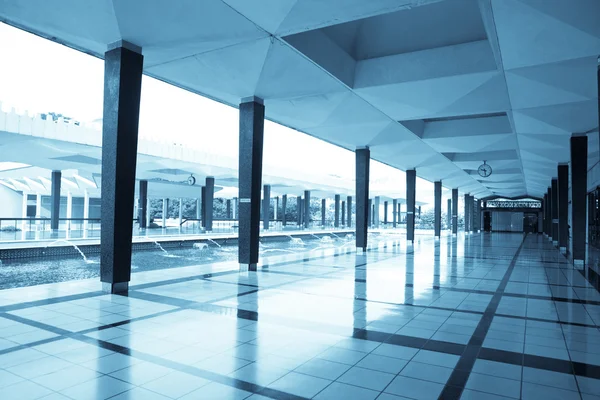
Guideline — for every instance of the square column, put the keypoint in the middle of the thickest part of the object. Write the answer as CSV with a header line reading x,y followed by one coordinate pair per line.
x,y
549,212
449,215
411,182
579,153
563,207
209,196
69,210
363,157
349,211
376,208
299,209
385,213
343,213
336,221
545,214
252,119
555,211
86,211
472,213
283,209
122,88
180,212
165,211
306,209
276,209
437,209
323,205
143,204
228,208
455,211
394,213
466,217
55,200
369,212
203,205
477,215
266,206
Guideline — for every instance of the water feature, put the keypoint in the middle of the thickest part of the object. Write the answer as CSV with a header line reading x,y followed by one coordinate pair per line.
x,y
200,246
75,247
165,253
37,271
212,241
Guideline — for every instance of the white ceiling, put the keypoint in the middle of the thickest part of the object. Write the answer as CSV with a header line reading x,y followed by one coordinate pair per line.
x,y
439,86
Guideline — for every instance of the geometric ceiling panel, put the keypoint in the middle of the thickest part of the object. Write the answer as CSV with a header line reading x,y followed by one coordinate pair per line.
x,y
439,86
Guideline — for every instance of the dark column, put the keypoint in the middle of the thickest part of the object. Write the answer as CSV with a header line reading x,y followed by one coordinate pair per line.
x,y
276,209
449,214
349,211
411,182
437,211
143,204
477,220
299,209
550,220
455,211
306,209
385,212
209,203
369,212
283,209
563,207
343,213
252,119
323,205
266,206
466,217
55,200
228,208
336,222
376,212
363,157
399,212
555,211
545,214
579,152
122,88
203,205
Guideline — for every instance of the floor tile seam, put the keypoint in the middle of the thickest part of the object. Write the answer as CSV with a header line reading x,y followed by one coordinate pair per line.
x,y
151,358
389,336
60,299
82,332
566,345
484,324
191,370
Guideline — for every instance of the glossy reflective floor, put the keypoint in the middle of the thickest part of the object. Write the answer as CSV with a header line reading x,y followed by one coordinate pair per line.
x,y
486,316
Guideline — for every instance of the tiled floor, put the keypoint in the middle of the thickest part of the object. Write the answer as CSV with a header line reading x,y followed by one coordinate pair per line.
x,y
486,316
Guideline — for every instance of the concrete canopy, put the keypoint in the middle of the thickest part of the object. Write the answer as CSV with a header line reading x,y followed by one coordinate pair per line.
x,y
439,86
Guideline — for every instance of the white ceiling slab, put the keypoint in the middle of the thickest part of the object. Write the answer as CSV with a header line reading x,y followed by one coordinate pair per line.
x,y
436,85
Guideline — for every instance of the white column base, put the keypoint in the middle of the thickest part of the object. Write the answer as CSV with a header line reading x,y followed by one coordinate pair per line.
x,y
247,267
115,288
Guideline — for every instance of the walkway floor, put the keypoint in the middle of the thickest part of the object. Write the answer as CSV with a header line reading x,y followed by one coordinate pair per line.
x,y
486,316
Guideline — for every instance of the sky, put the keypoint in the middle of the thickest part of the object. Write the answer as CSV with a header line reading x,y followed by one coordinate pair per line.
x,y
37,76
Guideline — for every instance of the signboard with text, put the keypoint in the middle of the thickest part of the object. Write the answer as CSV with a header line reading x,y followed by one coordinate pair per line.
x,y
514,204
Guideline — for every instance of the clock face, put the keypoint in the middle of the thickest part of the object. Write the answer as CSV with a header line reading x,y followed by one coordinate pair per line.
x,y
484,170
191,181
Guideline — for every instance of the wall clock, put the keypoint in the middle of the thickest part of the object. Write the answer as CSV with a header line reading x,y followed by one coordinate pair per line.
x,y
484,170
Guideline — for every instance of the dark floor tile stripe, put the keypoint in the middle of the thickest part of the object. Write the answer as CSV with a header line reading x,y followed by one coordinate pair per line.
x,y
458,379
